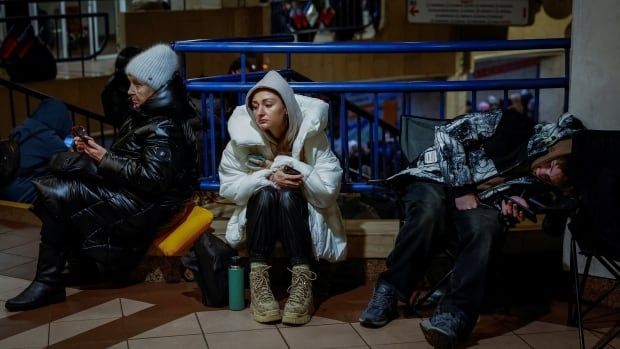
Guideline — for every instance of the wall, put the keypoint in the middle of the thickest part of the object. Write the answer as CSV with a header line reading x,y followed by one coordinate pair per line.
x,y
543,27
321,67
595,77
144,29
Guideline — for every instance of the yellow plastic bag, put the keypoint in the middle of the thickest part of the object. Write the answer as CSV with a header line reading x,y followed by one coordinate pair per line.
x,y
179,239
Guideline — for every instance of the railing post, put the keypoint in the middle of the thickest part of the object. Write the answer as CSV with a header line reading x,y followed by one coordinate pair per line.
x,y
64,32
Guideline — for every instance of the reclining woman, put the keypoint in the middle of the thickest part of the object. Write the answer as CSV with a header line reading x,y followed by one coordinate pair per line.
x,y
279,170
111,204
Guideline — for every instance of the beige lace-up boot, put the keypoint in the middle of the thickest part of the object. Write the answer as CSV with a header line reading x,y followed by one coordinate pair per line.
x,y
263,305
299,306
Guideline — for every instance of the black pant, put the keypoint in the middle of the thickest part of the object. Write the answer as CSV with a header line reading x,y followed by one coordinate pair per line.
x,y
274,214
431,222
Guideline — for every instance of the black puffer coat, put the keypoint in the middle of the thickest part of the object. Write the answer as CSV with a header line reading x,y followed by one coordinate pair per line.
x,y
146,179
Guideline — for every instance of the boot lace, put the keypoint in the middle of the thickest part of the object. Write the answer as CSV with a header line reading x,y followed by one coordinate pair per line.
x,y
301,286
382,298
260,280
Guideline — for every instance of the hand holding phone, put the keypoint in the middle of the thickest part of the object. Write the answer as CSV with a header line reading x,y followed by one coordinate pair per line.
x,y
289,170
527,212
79,131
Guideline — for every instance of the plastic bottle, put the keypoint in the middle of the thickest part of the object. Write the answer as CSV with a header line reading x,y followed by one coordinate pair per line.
x,y
236,300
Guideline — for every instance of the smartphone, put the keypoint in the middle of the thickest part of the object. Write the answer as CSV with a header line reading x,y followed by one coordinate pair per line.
x,y
79,131
527,212
289,170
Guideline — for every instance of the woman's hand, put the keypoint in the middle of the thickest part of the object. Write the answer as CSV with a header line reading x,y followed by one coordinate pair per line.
x,y
512,210
466,202
88,146
257,163
283,180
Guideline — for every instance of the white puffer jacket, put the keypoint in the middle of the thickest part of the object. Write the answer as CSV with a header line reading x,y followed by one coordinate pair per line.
x,y
321,170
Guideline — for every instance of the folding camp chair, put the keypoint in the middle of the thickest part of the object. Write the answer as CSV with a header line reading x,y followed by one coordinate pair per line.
x,y
594,226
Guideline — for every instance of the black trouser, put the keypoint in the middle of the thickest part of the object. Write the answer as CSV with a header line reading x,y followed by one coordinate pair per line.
x,y
274,214
431,222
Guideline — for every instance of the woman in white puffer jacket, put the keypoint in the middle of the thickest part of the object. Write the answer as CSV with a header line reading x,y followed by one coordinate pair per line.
x,y
279,170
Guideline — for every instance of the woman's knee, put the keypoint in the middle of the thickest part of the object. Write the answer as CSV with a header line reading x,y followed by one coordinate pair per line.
x,y
293,200
264,197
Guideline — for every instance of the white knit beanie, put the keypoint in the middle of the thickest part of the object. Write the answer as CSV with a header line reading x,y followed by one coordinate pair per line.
x,y
154,66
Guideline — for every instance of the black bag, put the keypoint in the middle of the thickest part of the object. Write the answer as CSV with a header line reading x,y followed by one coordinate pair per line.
x,y
209,260
9,160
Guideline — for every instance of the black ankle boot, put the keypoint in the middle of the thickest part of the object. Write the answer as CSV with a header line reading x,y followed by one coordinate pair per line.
x,y
47,287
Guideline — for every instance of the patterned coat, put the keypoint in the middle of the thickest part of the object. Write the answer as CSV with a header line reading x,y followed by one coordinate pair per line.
x,y
477,147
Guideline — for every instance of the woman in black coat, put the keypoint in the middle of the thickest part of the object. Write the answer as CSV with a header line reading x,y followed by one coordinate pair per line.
x,y
111,204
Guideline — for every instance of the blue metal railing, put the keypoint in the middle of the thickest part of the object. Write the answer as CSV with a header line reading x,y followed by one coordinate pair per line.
x,y
382,140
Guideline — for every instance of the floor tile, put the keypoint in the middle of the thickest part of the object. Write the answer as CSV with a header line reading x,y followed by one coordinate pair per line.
x,y
542,327
327,336
193,342
107,310
415,345
130,306
34,338
14,239
559,340
228,321
315,321
59,331
509,341
10,286
3,312
121,345
268,339
8,261
72,291
30,249
25,271
4,228
603,332
397,331
179,327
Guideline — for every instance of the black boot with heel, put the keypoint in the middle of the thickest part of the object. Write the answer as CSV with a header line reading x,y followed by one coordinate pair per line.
x,y
47,287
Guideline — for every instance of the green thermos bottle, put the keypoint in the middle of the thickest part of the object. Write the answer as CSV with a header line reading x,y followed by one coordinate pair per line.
x,y
236,299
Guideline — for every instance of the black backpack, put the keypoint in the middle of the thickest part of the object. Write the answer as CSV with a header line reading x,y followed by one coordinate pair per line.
x,y
10,158
209,260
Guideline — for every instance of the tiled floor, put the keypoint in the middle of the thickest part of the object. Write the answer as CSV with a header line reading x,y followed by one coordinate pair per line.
x,y
169,315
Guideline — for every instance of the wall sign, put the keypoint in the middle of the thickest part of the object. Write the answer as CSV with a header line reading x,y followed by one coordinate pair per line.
x,y
476,12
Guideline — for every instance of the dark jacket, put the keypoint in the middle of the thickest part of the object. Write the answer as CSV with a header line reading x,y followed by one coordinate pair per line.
x,y
40,136
145,181
477,147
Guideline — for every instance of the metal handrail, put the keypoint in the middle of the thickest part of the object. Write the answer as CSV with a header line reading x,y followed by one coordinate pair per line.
x,y
244,81
74,109
369,47
410,86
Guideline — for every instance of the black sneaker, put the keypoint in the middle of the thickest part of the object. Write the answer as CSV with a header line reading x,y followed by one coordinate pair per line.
x,y
381,308
445,330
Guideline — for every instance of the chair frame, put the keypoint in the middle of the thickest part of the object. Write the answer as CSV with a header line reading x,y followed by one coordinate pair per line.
x,y
577,313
